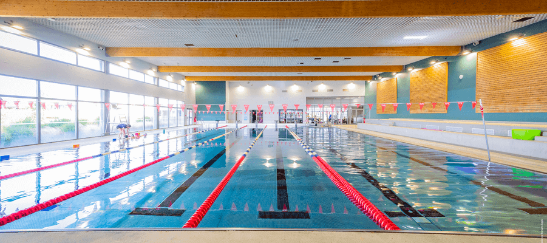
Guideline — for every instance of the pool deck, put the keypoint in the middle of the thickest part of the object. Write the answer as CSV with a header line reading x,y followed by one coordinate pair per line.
x,y
496,157
258,235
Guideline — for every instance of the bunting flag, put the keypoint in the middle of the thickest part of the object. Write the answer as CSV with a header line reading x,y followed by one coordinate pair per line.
x,y
246,108
285,107
182,107
308,107
3,103
421,105
43,105
345,106
234,107
296,106
195,107
56,105
473,104
395,107
383,107
370,106
105,104
158,107
16,104
259,107
272,107
69,106
221,107
446,105
434,104
460,104
358,105
332,107
30,103
170,107
208,108
408,105
320,106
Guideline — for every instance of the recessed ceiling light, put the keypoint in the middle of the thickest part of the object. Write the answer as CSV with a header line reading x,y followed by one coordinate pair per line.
x,y
411,37
17,27
466,52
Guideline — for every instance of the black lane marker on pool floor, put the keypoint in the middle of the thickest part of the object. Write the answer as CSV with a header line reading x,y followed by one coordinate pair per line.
x,y
163,208
388,193
282,195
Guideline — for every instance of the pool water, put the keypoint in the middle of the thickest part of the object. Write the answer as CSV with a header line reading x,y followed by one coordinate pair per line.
x,y
418,188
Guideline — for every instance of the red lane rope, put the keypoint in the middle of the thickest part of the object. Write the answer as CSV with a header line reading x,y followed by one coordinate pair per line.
x,y
86,158
351,193
25,212
196,218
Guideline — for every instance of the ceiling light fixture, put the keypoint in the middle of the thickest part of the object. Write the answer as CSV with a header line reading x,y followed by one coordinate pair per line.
x,y
322,86
516,37
268,88
17,27
410,68
124,64
466,52
411,37
240,88
351,85
82,51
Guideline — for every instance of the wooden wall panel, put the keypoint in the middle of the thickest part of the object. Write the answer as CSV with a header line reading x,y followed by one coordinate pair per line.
x,y
513,77
386,92
429,85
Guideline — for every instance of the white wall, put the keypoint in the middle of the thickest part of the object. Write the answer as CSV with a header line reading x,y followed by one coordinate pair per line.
x,y
254,93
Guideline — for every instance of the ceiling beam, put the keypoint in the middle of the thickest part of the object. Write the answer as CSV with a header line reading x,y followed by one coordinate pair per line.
x,y
283,52
267,10
297,69
277,78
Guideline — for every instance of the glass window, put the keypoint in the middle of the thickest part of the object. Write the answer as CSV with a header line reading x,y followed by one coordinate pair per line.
x,y
18,43
89,119
57,91
172,115
117,70
181,88
57,53
58,120
180,114
136,114
17,86
18,122
163,102
149,113
90,62
118,98
164,117
163,83
149,100
89,94
173,86
136,75
149,79
118,114
136,99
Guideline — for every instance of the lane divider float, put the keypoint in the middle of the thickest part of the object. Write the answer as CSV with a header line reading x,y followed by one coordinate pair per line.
x,y
196,218
90,157
25,212
351,193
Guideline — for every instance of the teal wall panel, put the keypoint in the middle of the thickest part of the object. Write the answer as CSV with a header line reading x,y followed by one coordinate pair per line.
x,y
210,92
458,89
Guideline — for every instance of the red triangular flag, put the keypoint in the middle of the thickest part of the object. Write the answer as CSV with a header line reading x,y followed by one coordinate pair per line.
x,y
332,107
358,105
234,107
16,104
56,105
345,106
285,107
370,106
43,105
473,104
30,103
408,106
308,107
158,107
434,104
395,107
296,105
208,108
272,107
170,107
320,106
421,105
460,104
70,106
246,108
383,107
3,103
106,104
182,107
446,104
259,107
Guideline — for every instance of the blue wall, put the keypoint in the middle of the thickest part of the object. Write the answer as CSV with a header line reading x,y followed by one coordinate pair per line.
x,y
458,90
210,92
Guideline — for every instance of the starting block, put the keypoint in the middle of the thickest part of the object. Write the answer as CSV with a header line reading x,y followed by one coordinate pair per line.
x,y
76,146
4,157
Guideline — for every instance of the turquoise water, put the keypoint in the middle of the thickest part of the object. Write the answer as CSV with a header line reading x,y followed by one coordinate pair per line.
x,y
457,193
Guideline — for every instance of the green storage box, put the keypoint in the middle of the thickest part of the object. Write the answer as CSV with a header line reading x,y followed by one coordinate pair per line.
x,y
525,134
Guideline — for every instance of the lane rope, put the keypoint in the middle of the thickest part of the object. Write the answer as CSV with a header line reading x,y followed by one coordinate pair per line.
x,y
94,156
196,218
351,193
25,212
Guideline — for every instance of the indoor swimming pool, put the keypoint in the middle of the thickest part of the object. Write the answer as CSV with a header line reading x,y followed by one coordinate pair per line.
x,y
277,184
